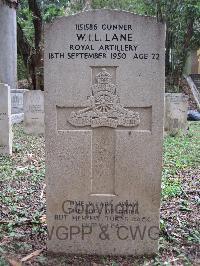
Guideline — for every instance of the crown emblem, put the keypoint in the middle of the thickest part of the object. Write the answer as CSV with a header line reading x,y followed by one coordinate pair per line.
x,y
103,77
104,108
104,83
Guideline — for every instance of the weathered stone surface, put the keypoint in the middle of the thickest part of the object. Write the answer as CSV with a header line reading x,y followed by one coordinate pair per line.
x,y
17,104
5,120
176,107
104,104
8,45
34,112
17,118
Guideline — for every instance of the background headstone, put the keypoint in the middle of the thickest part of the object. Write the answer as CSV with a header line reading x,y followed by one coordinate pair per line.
x,y
34,112
104,104
8,44
17,101
17,105
176,108
5,120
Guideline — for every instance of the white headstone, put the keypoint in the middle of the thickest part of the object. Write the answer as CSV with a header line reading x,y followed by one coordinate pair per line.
x,y
34,112
17,104
176,108
5,120
8,44
104,88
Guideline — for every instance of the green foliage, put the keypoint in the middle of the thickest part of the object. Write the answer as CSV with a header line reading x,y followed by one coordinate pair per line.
x,y
180,152
3,262
194,237
182,21
178,15
181,17
51,11
22,181
21,70
21,171
24,18
113,4
135,6
171,188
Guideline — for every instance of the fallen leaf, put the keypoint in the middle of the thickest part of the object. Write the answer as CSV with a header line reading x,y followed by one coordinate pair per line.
x,y
33,254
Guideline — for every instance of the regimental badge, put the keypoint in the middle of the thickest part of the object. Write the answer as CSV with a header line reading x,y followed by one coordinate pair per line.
x,y
104,108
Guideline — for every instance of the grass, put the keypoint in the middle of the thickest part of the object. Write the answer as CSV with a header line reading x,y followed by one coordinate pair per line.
x,y
21,178
23,205
180,153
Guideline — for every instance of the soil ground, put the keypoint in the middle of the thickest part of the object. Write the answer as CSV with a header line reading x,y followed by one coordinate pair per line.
x,y
23,229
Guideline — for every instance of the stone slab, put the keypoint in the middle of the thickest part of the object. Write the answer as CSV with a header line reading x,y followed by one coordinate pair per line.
x,y
17,104
34,112
5,120
104,108
176,108
8,45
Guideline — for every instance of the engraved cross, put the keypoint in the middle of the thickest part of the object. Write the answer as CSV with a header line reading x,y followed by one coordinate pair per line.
x,y
104,113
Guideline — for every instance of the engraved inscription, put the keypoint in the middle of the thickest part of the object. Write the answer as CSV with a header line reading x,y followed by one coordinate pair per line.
x,y
3,116
35,108
104,108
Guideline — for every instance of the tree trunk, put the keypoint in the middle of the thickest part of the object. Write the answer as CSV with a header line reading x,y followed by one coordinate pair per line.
x,y
32,56
24,48
37,22
37,55
13,3
187,39
159,14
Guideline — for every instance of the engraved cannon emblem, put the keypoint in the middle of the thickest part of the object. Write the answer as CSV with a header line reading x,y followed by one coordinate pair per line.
x,y
104,108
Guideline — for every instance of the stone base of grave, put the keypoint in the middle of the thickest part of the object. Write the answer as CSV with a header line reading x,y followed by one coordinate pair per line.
x,y
17,118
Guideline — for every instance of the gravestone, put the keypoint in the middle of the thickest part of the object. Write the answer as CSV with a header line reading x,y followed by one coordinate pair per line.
x,y
34,112
104,107
17,102
176,108
17,106
8,43
5,120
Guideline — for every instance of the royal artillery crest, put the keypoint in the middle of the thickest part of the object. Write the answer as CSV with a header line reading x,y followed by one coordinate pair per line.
x,y
104,108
